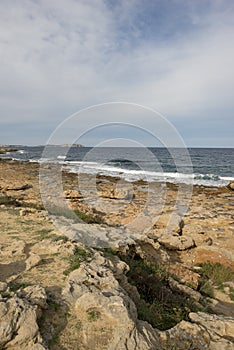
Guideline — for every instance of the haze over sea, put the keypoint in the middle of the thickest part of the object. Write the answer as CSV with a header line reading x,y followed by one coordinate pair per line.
x,y
206,166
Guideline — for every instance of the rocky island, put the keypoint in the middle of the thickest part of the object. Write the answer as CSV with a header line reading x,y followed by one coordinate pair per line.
x,y
170,288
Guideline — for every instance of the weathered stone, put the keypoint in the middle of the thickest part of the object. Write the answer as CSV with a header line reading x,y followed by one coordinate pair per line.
x,y
176,242
3,287
231,186
36,295
217,326
72,194
32,261
183,289
94,287
185,275
14,249
18,324
26,211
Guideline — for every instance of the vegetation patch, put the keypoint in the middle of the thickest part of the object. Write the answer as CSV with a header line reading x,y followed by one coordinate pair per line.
x,y
79,255
76,215
213,275
16,285
88,218
8,201
158,304
45,233
231,295
93,315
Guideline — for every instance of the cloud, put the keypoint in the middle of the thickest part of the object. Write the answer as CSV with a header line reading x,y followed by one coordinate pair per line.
x,y
60,56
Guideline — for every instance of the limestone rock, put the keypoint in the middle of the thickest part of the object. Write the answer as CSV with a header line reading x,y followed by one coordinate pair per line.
x,y
94,287
183,335
24,212
183,289
217,326
32,261
72,194
3,287
14,249
123,193
18,324
150,248
231,186
176,242
36,295
185,275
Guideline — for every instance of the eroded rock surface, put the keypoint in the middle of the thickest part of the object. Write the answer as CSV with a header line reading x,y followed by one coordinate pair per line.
x,y
18,320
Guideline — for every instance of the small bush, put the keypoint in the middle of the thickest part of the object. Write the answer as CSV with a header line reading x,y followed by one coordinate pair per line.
x,y
207,289
216,272
79,255
158,304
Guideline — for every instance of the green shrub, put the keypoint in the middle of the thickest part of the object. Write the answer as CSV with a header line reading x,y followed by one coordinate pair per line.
x,y
79,255
216,272
158,304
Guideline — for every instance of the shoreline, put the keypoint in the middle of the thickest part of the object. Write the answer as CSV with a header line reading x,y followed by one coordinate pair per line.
x,y
61,282
167,182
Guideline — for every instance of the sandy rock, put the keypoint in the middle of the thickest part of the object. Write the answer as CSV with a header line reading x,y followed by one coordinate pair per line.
x,y
123,193
94,287
170,224
48,246
32,261
183,335
183,289
231,186
150,248
176,242
217,326
185,275
24,212
36,295
18,324
3,287
72,194
14,249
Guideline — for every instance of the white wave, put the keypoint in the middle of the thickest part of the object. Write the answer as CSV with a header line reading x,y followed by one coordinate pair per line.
x,y
131,175
150,176
21,151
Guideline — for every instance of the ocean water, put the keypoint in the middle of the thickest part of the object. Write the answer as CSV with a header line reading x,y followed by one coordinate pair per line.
x,y
203,166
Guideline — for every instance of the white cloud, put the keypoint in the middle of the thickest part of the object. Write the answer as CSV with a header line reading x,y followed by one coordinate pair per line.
x,y
60,56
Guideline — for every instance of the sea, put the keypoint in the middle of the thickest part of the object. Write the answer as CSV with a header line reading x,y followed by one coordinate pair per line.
x,y
201,166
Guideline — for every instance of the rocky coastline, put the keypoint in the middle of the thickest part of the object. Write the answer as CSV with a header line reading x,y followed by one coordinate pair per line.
x,y
168,287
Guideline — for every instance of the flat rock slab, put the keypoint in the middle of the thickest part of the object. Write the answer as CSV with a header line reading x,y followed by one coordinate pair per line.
x,y
176,242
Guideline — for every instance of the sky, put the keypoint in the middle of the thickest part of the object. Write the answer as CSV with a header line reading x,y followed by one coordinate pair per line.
x,y
173,56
